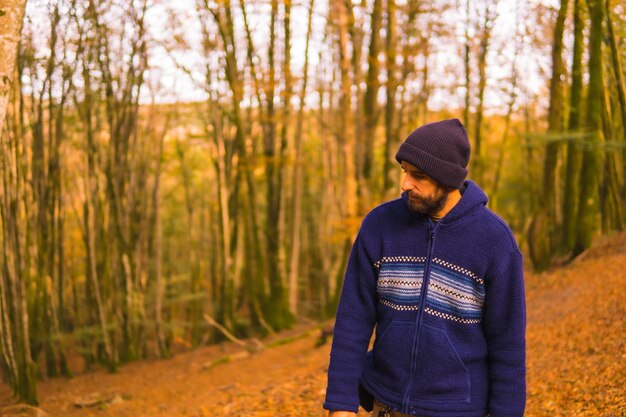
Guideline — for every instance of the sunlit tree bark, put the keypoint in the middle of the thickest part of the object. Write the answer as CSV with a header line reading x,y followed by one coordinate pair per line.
x,y
15,348
345,135
297,191
11,17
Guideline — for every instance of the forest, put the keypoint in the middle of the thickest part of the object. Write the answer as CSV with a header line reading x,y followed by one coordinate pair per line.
x,y
172,172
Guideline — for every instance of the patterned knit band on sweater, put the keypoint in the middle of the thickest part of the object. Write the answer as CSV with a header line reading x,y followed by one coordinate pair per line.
x,y
440,149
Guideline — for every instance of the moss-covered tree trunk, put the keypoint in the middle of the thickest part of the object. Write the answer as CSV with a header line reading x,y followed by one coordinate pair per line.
x,y
588,201
544,225
574,152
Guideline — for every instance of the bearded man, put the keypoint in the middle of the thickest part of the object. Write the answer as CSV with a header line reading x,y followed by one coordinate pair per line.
x,y
440,277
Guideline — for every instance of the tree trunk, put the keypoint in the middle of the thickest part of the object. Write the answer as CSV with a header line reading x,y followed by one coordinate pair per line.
x,y
14,337
194,308
11,18
588,203
285,171
351,22
611,201
493,195
485,38
543,230
574,154
391,130
467,48
277,306
344,135
297,175
370,105
617,66
618,75
257,288
161,345
92,273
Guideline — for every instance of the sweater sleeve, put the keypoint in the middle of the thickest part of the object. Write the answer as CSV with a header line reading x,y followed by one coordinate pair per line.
x,y
355,319
505,329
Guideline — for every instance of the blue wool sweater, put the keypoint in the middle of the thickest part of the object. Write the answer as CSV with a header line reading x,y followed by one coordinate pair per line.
x,y
447,299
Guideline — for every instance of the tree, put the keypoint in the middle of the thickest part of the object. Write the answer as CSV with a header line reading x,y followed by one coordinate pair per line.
x,y
574,155
11,17
543,229
588,202
489,16
391,118
14,321
297,191
370,106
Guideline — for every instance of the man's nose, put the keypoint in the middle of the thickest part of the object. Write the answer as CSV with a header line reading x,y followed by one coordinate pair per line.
x,y
406,185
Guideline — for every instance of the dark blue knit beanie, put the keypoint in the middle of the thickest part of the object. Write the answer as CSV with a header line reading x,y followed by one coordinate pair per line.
x,y
440,149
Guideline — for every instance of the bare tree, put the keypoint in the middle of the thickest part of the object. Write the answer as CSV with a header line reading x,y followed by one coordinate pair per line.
x,y
391,118
485,34
297,191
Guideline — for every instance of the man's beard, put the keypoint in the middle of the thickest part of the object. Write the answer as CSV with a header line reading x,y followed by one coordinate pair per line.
x,y
428,206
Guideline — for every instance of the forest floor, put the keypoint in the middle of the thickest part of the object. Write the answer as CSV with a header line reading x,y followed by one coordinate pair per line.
x,y
576,361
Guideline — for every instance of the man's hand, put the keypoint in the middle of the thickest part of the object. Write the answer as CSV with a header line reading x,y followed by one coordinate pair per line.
x,y
341,414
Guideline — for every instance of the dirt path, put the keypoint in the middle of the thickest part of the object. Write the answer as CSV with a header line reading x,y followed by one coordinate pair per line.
x,y
577,336
576,360
257,385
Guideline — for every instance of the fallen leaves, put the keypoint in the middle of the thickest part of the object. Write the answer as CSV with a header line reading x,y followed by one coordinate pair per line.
x,y
576,360
575,337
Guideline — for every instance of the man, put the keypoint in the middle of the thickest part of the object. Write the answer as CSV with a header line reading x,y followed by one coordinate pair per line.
x,y
440,276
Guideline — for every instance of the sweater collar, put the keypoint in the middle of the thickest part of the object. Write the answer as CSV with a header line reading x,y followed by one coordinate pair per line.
x,y
471,196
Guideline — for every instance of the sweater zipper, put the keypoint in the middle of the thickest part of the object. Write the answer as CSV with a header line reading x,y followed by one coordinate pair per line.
x,y
432,230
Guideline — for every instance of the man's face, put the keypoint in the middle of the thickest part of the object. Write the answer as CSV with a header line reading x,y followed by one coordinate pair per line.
x,y
425,195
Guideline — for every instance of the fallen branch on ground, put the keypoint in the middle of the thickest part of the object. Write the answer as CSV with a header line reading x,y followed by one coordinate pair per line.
x,y
254,345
